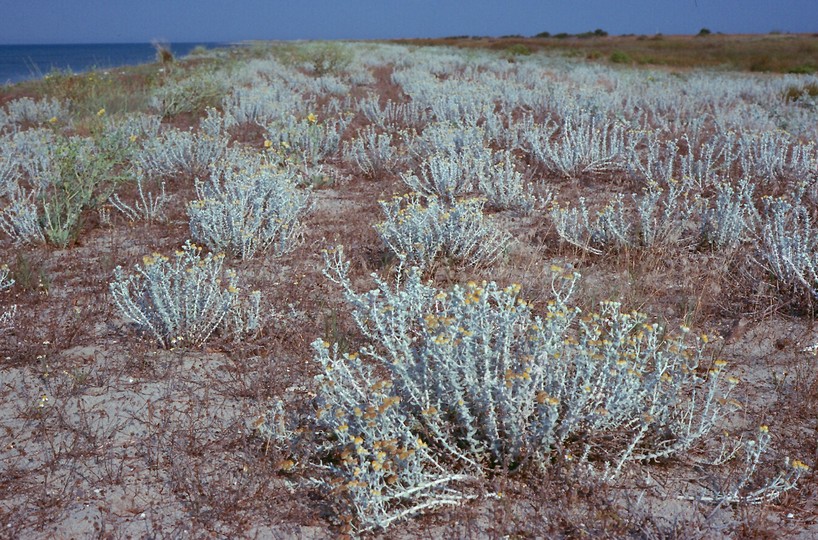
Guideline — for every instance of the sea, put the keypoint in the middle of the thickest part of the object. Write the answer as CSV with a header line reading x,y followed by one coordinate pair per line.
x,y
25,62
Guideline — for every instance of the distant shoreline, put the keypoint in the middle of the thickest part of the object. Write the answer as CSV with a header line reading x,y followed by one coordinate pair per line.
x,y
19,63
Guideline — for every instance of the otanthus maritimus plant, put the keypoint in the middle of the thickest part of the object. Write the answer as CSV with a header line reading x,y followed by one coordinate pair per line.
x,y
7,314
19,220
477,380
176,151
5,281
394,116
307,140
194,93
184,300
418,234
610,230
664,212
372,152
504,187
74,174
247,205
585,144
147,206
788,243
27,110
726,222
386,471
737,489
444,175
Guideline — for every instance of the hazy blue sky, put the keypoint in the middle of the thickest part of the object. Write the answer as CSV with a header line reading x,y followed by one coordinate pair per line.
x,y
94,21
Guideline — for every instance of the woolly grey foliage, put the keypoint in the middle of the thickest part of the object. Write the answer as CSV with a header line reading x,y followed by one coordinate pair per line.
x,y
181,302
475,380
247,205
418,234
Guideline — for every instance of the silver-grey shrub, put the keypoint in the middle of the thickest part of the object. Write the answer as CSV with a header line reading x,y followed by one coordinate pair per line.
x,y
134,127
475,380
584,143
503,186
449,174
147,206
394,116
19,219
372,152
32,153
28,110
503,131
193,93
5,281
703,165
327,84
6,314
454,101
264,103
419,233
308,141
247,205
774,156
454,140
656,163
9,173
184,152
609,228
789,243
27,166
360,75
665,213
183,300
730,215
55,185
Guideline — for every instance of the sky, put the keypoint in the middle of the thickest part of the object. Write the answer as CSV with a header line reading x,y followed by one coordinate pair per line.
x,y
134,21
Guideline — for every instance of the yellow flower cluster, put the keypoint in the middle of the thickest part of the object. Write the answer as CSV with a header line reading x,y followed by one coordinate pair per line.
x,y
799,465
511,376
155,258
544,398
434,322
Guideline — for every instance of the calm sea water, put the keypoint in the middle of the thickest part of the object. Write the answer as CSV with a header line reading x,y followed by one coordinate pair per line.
x,y
21,62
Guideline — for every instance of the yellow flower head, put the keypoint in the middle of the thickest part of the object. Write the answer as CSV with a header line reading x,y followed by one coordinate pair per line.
x,y
799,465
311,118
53,120
268,143
101,112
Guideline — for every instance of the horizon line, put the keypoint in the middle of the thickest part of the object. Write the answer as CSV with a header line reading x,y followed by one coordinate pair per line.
x,y
453,36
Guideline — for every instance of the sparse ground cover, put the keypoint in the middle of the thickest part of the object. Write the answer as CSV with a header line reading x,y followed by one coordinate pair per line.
x,y
304,290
